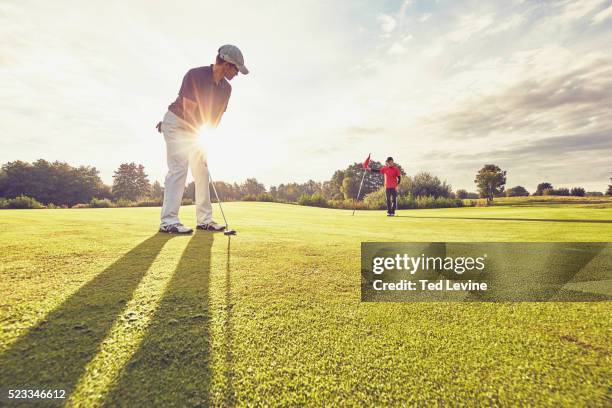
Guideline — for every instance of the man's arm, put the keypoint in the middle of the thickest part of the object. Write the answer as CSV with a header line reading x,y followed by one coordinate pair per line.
x,y
215,121
189,98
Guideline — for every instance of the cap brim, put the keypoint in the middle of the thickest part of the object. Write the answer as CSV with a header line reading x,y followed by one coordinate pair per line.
x,y
243,70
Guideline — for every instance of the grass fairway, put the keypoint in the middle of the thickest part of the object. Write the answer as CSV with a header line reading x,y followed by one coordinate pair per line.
x,y
94,302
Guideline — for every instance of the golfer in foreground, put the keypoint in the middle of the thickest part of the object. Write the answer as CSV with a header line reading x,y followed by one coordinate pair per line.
x,y
202,100
392,179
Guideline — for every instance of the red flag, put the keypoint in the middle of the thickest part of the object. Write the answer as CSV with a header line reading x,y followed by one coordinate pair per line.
x,y
366,163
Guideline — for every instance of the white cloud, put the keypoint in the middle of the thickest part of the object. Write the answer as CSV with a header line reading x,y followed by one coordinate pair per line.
x,y
602,16
575,10
387,23
425,17
102,85
512,23
404,7
396,49
468,26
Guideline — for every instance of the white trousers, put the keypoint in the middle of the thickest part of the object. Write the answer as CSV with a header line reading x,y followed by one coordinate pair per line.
x,y
183,151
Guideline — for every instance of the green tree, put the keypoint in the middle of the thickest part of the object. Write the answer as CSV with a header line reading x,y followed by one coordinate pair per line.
x,y
189,192
609,192
350,188
142,180
426,184
577,191
541,187
490,181
130,182
157,191
556,192
462,193
252,187
56,182
288,192
518,191
331,190
226,191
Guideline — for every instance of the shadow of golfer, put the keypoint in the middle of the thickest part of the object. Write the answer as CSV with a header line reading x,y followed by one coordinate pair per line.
x,y
228,329
509,219
172,364
53,354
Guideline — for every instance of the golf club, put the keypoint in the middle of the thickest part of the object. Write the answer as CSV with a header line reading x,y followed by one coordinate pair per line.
x,y
227,230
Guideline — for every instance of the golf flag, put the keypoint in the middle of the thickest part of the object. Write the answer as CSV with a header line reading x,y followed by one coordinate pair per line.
x,y
367,161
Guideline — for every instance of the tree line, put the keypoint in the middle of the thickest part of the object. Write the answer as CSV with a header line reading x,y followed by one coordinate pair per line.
x,y
58,183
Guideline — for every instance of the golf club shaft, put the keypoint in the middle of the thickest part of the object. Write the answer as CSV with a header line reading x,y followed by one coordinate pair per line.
x,y
218,199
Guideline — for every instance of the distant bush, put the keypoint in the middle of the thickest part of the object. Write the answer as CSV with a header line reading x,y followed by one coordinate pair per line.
x,y
149,202
376,200
433,202
303,199
594,194
314,200
80,205
556,192
577,191
475,202
347,204
461,193
542,187
185,201
518,191
3,203
249,197
21,202
265,197
100,203
124,202
425,184
52,206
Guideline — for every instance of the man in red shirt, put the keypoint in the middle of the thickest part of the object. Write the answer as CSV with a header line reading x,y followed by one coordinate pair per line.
x,y
392,179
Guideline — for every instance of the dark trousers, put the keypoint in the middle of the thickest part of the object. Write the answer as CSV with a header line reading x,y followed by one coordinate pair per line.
x,y
391,200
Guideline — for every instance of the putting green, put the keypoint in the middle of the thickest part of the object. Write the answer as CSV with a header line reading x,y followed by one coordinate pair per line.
x,y
95,302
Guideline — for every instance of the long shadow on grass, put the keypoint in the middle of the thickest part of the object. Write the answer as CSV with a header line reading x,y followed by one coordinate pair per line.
x,y
54,353
228,327
172,365
509,219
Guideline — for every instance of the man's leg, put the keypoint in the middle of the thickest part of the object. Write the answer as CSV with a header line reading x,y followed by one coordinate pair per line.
x,y
394,196
389,204
201,178
178,160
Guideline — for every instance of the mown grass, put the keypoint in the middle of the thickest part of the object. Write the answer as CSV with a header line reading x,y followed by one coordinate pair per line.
x,y
604,201
95,302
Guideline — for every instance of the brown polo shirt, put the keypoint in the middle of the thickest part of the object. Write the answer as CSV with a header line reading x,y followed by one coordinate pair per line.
x,y
200,100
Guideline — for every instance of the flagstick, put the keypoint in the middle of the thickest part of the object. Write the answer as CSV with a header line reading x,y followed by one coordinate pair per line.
x,y
361,184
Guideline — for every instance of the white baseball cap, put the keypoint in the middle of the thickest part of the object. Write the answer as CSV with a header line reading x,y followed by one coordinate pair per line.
x,y
232,54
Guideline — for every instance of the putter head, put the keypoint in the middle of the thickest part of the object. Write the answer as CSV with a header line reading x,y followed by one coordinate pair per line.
x,y
229,232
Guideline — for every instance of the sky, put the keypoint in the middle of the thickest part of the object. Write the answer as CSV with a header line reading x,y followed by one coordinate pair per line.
x,y
442,86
